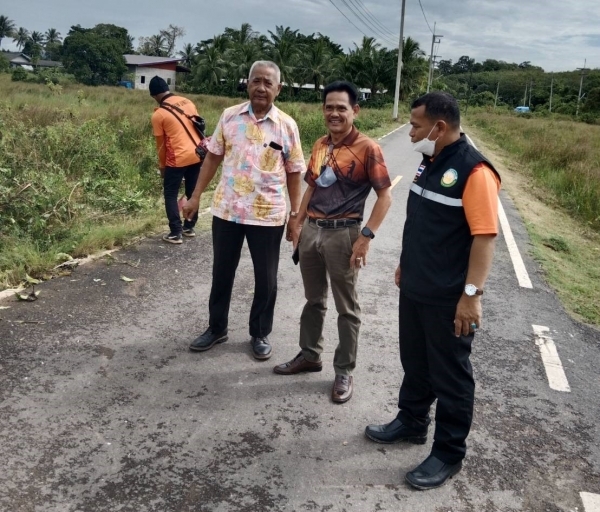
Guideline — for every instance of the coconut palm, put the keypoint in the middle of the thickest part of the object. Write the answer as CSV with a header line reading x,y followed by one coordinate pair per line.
x,y
7,27
284,50
52,36
315,63
37,38
20,37
188,54
211,66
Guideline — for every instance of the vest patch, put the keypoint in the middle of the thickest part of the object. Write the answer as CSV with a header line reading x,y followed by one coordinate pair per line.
x,y
449,178
419,172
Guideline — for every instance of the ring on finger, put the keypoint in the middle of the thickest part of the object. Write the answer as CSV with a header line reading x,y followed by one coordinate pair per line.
x,y
473,326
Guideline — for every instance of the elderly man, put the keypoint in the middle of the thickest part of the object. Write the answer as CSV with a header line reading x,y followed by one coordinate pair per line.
x,y
345,165
259,146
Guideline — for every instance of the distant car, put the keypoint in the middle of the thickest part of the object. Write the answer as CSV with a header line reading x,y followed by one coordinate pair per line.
x,y
522,110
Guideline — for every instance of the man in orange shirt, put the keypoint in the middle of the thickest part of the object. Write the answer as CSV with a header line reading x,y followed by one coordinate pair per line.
x,y
447,251
176,142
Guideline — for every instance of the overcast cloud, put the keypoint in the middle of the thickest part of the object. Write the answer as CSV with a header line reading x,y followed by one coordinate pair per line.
x,y
557,35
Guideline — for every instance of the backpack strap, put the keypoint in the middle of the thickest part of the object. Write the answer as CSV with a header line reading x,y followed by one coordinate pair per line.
x,y
180,121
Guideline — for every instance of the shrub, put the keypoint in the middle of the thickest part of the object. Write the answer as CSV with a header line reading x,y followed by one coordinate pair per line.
x,y
19,75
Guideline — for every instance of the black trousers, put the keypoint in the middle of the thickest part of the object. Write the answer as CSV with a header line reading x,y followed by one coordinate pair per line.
x,y
264,243
171,184
436,365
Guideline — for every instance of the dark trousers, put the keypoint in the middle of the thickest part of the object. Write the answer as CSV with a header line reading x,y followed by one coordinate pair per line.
x,y
172,182
264,243
436,365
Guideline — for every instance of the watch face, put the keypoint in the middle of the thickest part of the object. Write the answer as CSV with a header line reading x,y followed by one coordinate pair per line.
x,y
367,232
470,290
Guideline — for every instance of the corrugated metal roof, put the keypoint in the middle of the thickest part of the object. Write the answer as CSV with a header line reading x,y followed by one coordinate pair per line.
x,y
148,60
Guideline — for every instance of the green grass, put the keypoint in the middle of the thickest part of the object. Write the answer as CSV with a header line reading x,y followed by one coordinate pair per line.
x,y
78,168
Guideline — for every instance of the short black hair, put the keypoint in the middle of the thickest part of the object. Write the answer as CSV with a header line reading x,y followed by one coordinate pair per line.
x,y
440,105
342,86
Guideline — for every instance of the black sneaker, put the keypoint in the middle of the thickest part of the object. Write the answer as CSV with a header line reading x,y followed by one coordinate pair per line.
x,y
207,340
189,232
172,238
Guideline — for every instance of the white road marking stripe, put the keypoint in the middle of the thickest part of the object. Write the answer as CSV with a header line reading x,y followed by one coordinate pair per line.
x,y
393,131
554,368
513,249
591,502
395,182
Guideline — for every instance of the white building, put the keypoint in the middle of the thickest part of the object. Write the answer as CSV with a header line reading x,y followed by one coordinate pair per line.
x,y
144,68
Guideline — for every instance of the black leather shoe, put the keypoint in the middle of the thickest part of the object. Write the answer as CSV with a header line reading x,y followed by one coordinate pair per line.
x,y
395,432
261,348
208,339
432,473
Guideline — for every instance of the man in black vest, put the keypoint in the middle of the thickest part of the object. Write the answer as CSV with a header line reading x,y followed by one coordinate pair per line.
x,y
447,251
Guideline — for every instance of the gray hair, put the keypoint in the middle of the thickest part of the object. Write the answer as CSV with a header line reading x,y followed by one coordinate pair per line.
x,y
266,64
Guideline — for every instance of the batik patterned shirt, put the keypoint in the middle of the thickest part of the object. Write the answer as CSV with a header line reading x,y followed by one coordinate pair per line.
x,y
258,155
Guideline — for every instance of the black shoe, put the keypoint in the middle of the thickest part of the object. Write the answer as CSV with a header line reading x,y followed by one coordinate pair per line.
x,y
189,232
208,339
432,473
261,348
395,432
172,238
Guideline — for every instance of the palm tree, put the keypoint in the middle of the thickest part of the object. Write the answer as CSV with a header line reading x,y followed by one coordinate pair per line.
x,y
284,50
188,54
21,36
157,46
315,63
414,67
37,38
210,66
52,36
7,28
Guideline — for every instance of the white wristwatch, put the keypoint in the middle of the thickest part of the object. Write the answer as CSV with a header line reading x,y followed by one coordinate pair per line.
x,y
471,290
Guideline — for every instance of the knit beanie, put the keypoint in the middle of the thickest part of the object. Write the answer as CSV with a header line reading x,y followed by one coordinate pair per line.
x,y
157,86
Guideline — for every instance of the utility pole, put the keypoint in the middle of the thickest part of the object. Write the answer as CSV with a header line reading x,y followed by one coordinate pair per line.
x,y
551,91
432,58
497,91
530,91
399,70
525,98
583,72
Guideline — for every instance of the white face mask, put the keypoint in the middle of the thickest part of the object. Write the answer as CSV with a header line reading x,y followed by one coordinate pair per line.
x,y
425,146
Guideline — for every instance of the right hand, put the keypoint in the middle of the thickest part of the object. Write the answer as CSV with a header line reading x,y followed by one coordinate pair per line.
x,y
397,277
190,209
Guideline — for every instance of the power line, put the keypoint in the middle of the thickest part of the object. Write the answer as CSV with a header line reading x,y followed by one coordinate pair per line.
x,y
423,11
341,12
368,24
370,14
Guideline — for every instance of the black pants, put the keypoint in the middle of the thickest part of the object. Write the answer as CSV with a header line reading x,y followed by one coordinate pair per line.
x,y
436,365
264,243
172,182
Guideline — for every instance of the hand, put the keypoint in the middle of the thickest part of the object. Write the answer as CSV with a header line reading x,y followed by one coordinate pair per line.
x,y
359,252
191,207
468,311
397,276
294,228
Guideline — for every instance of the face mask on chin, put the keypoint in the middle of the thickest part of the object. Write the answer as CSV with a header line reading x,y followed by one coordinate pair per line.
x,y
425,146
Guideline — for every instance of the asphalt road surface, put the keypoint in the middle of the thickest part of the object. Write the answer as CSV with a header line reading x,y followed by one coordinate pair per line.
x,y
104,408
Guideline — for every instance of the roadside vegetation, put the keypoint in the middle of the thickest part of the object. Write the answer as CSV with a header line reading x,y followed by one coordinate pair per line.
x,y
553,175
78,169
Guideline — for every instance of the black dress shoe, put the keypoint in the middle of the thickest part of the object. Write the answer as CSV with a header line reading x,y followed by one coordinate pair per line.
x,y
261,348
395,432
432,473
208,339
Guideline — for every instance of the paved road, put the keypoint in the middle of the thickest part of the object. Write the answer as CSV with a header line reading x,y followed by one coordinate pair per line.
x,y
103,408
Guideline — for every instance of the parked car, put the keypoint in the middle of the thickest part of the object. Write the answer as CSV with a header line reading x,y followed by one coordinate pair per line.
x,y
522,110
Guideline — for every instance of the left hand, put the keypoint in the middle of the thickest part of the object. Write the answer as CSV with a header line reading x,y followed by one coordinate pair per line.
x,y
468,311
359,252
294,227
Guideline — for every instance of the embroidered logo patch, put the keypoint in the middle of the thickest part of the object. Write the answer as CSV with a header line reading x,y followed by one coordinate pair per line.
x,y
419,172
449,178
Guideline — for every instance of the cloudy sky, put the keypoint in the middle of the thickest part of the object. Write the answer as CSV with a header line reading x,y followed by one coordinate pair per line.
x,y
555,34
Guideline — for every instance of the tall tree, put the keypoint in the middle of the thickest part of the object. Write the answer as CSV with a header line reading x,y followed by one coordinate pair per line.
x,y
211,67
119,35
315,63
52,36
188,54
284,49
170,36
7,27
20,37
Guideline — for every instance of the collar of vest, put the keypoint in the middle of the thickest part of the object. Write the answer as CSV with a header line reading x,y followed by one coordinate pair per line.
x,y
450,148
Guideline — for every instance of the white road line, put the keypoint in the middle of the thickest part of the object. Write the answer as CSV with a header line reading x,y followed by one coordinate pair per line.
x,y
591,502
393,131
395,182
554,368
513,249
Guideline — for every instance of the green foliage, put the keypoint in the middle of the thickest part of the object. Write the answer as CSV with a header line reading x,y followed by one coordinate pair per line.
x,y
19,75
4,64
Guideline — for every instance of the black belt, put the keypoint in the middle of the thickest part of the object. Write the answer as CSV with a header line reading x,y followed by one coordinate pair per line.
x,y
334,223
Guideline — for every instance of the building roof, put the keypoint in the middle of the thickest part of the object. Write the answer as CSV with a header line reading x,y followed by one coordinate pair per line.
x,y
148,60
15,55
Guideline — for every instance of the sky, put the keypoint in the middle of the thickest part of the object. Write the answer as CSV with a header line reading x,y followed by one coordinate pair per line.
x,y
556,35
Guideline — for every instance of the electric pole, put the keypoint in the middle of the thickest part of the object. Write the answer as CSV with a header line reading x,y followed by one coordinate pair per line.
x,y
434,40
551,91
583,72
525,98
399,70
530,91
497,91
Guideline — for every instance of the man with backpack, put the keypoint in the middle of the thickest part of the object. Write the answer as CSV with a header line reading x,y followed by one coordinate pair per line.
x,y
177,140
